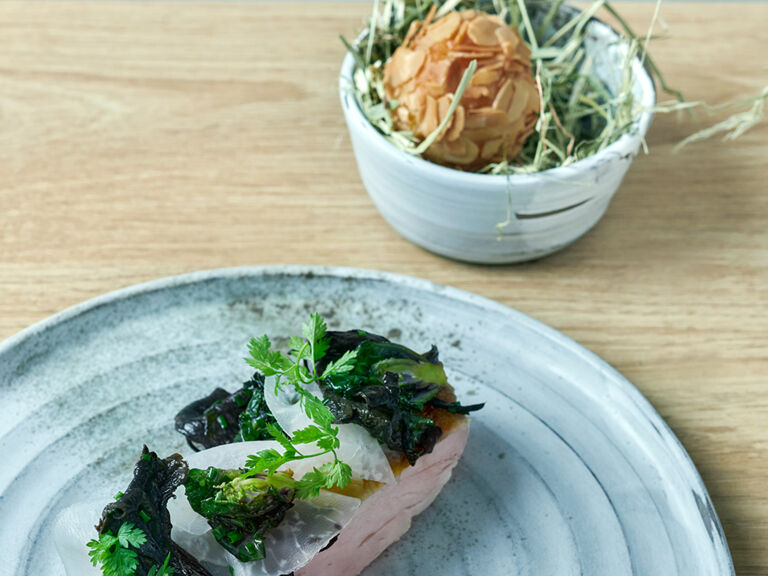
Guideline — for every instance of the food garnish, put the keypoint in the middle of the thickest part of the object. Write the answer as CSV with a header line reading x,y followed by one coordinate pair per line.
x,y
364,379
116,554
298,370
221,417
240,509
135,530
387,390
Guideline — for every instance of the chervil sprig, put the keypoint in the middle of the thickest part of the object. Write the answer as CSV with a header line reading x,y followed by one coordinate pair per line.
x,y
298,370
329,475
114,554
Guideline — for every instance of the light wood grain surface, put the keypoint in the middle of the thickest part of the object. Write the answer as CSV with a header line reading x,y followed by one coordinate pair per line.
x,y
140,140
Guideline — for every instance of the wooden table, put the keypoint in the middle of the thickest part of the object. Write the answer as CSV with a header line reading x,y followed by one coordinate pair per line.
x,y
140,140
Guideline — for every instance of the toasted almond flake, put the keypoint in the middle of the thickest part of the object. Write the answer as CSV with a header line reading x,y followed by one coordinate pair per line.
x,y
481,135
482,31
468,14
457,148
414,101
443,104
523,52
462,151
491,148
485,76
436,72
504,95
518,103
515,68
443,28
516,128
477,92
493,51
429,17
434,90
461,35
457,124
431,120
496,64
533,98
472,55
412,30
405,65
486,118
506,34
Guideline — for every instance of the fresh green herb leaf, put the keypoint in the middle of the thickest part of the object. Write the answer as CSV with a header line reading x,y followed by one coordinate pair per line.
x,y
310,484
338,474
269,460
343,365
308,435
329,442
277,433
263,358
314,331
297,345
317,411
298,371
101,548
112,553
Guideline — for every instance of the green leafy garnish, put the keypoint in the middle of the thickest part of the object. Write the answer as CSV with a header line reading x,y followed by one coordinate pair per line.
x,y
114,554
256,418
365,379
298,370
240,509
134,531
223,417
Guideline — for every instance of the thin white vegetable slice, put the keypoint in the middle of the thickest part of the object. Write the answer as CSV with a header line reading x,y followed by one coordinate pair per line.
x,y
357,447
72,530
306,529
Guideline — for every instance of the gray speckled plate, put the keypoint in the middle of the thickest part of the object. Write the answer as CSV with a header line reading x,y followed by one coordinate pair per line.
x,y
568,470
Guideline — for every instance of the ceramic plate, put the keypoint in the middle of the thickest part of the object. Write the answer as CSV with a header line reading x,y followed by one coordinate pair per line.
x,y
568,470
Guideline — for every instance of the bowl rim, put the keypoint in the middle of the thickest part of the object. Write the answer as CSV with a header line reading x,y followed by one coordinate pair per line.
x,y
625,145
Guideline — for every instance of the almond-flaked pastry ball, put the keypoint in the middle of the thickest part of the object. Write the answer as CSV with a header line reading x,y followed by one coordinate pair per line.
x,y
499,108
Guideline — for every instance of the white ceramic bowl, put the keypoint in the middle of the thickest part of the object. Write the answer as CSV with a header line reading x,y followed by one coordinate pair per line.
x,y
455,213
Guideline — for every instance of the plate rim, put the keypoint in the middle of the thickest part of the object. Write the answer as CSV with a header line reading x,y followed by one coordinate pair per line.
x,y
722,548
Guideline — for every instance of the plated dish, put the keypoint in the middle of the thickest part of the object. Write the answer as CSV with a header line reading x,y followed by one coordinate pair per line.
x,y
312,468
569,470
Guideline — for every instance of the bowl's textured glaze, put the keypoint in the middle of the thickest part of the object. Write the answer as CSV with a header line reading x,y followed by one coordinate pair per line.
x,y
568,471
456,214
